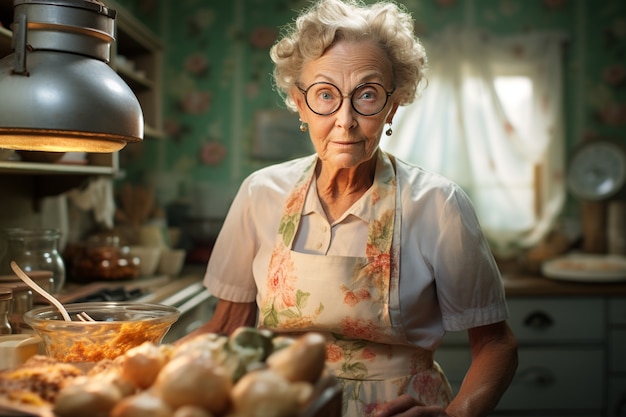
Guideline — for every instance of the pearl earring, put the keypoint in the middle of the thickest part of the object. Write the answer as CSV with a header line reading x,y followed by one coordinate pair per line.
x,y
388,132
303,127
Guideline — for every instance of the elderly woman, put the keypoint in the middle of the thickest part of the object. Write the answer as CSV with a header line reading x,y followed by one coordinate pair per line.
x,y
380,256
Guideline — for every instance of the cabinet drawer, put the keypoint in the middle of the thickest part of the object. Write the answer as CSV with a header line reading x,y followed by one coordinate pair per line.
x,y
454,361
542,320
617,310
617,358
557,379
617,397
546,378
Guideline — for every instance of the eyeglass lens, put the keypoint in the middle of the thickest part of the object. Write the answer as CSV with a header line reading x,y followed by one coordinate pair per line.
x,y
325,98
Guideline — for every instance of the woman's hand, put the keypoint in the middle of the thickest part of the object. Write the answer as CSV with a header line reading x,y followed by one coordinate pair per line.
x,y
407,406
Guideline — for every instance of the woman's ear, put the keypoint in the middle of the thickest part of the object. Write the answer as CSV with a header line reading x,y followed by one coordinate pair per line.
x,y
298,99
392,113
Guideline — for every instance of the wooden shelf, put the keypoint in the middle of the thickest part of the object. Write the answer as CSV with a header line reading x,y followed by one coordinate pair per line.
x,y
19,167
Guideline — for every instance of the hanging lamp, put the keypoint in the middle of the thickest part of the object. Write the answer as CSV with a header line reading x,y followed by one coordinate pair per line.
x,y
57,91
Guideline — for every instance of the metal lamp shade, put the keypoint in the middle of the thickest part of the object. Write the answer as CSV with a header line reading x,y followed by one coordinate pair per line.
x,y
57,92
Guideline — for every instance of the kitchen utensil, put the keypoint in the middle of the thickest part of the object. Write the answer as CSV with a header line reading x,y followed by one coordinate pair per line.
x,y
82,316
18,271
118,327
137,204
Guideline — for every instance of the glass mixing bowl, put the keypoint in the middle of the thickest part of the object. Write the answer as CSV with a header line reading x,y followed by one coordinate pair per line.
x,y
118,327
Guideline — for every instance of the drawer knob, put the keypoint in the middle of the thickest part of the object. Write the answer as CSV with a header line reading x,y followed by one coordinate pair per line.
x,y
537,376
619,410
538,320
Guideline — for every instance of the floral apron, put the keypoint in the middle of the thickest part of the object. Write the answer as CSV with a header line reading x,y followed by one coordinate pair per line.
x,y
354,301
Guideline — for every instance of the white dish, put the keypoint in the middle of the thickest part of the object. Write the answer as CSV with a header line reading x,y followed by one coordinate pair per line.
x,y
171,262
15,349
586,268
148,258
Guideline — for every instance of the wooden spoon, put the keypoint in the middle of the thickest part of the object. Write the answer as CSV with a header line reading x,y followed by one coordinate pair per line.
x,y
22,275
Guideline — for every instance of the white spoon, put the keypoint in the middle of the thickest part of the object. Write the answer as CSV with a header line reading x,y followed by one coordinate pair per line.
x,y
22,275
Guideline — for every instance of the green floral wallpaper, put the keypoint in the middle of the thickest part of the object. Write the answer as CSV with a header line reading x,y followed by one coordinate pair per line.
x,y
217,76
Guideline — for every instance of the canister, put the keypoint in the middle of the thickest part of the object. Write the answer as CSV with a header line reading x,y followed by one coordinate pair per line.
x,y
6,295
22,302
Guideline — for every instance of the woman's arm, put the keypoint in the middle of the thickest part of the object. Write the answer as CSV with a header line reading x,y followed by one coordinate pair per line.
x,y
227,317
494,361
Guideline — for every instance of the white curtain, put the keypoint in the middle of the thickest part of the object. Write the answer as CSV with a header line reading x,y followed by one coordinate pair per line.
x,y
458,127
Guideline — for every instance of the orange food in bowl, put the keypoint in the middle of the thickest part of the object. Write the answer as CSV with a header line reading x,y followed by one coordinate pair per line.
x,y
119,326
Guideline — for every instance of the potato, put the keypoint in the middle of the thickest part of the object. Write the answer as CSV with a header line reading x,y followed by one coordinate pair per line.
x,y
142,364
144,404
265,393
302,360
87,397
191,411
197,381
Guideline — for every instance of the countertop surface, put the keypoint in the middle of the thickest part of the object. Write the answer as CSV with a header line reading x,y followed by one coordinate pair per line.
x,y
517,283
521,283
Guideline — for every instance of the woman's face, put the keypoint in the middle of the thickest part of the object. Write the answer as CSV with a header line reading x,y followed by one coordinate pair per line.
x,y
345,139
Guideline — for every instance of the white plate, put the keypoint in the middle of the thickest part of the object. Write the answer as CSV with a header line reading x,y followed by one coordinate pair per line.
x,y
586,268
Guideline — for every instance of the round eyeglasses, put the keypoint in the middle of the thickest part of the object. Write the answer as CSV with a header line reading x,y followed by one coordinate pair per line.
x,y
325,98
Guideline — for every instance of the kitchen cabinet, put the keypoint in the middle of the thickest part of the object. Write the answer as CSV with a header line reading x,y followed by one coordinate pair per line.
x,y
571,353
617,357
136,56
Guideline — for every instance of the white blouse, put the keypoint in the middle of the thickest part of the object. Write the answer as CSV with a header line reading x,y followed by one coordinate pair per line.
x,y
448,277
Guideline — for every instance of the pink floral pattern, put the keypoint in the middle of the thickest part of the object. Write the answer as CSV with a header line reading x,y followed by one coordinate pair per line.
x,y
213,153
359,326
263,37
197,64
196,102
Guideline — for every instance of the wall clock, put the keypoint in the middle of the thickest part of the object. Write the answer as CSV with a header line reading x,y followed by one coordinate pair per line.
x,y
597,170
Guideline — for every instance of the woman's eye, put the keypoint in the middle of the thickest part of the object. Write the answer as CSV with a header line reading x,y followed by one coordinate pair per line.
x,y
367,95
326,95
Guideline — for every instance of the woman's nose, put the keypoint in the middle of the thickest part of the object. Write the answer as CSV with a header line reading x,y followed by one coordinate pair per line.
x,y
345,116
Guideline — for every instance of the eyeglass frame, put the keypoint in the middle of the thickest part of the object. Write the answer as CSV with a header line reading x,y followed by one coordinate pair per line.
x,y
344,96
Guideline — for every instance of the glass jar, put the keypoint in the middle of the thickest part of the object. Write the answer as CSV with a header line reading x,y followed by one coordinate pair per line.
x,y
35,250
21,303
6,295
103,258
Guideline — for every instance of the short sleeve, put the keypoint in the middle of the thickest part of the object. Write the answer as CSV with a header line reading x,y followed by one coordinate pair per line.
x,y
467,278
229,271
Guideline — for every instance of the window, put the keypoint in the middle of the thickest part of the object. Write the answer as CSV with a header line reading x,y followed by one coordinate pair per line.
x,y
490,120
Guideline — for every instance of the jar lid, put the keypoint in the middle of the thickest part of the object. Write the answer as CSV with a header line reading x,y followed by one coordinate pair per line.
x,y
5,293
36,275
16,286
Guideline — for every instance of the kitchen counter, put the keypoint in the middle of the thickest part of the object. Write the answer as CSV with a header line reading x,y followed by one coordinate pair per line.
x,y
185,292
517,283
520,283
